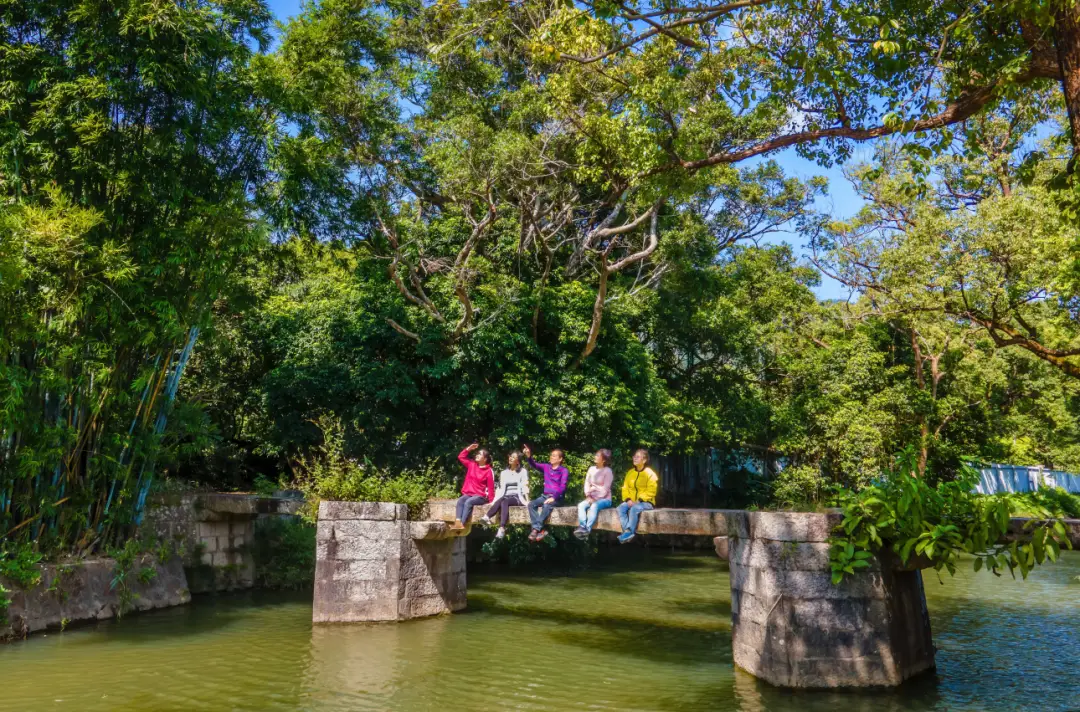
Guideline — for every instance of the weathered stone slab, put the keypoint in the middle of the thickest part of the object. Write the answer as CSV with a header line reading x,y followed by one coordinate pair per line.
x,y
722,545
691,522
434,530
793,526
379,511
786,555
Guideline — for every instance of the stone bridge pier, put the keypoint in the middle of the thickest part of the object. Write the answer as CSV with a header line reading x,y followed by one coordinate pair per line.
x,y
791,626
373,564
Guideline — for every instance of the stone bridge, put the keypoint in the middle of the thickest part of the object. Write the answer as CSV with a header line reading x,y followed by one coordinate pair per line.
x,y
791,626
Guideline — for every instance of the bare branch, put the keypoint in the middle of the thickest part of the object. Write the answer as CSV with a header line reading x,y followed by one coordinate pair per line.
x,y
402,330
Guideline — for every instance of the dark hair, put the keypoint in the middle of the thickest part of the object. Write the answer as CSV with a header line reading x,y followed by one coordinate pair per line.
x,y
644,452
487,455
605,455
517,454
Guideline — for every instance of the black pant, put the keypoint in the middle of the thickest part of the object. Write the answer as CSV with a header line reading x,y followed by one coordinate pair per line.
x,y
503,505
465,505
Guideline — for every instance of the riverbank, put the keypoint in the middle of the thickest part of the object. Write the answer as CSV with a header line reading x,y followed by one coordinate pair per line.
x,y
75,592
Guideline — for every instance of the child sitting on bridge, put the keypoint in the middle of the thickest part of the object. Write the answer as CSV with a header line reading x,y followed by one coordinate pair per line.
x,y
555,476
597,493
638,493
513,491
479,485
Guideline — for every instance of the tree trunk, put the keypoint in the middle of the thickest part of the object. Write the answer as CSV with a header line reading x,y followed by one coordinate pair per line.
x,y
598,315
1067,44
920,380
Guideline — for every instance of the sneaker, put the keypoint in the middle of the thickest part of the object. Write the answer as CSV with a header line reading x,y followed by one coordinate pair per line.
x,y
501,533
532,535
626,537
581,533
485,520
541,535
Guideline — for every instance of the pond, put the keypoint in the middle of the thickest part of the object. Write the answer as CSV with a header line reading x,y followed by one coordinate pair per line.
x,y
642,630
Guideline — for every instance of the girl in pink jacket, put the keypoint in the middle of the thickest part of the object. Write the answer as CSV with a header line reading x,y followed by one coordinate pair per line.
x,y
597,493
479,485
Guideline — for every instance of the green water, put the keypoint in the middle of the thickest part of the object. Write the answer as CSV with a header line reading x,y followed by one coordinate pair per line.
x,y
645,631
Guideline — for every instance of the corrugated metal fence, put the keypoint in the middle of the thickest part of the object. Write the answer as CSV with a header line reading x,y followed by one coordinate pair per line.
x,y
994,479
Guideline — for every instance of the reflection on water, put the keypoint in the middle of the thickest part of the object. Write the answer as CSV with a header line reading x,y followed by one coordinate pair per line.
x,y
645,631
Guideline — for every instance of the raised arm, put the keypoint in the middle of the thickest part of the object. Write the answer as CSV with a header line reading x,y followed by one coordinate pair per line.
x,y
463,456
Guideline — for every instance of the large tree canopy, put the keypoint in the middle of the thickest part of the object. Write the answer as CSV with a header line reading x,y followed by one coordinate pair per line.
x,y
552,221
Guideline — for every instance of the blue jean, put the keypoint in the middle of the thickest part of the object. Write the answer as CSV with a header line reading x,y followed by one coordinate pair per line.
x,y
465,506
539,511
628,515
588,511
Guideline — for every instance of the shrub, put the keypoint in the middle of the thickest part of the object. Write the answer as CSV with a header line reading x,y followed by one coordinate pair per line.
x,y
903,514
329,474
20,563
1044,503
798,486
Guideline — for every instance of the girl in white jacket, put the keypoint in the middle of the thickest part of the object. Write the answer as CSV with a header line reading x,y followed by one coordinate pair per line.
x,y
513,491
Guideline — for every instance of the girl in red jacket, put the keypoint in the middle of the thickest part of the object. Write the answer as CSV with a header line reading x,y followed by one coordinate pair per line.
x,y
479,485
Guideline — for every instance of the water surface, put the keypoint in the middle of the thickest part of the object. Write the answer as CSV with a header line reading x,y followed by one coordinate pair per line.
x,y
643,630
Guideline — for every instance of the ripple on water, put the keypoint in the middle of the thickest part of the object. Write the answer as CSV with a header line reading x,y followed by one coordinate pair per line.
x,y
643,631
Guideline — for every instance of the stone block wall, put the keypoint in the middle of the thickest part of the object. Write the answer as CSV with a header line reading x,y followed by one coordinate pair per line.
x,y
793,627
223,545
214,532
372,564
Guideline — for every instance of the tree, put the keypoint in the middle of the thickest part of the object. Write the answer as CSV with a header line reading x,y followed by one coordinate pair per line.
x,y
131,136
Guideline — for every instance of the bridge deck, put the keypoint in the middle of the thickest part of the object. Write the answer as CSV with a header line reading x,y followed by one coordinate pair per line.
x,y
689,522
704,522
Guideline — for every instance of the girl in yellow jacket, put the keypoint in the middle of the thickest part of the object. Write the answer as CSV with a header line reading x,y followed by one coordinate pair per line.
x,y
638,494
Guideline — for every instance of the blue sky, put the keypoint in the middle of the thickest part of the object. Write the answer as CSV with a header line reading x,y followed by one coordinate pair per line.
x,y
842,202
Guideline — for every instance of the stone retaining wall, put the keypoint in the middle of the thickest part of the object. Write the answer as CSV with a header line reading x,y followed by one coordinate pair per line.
x,y
372,564
84,591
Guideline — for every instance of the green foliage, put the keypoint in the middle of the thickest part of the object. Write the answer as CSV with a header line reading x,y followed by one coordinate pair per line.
x,y
798,486
1045,503
329,474
5,603
264,486
519,222
903,516
124,571
129,142
20,564
284,553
